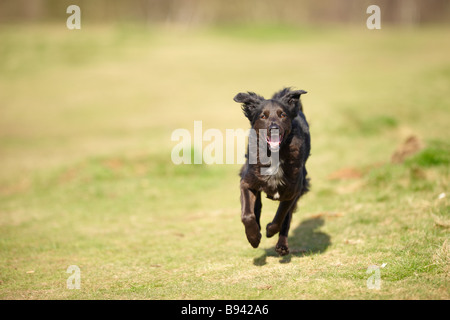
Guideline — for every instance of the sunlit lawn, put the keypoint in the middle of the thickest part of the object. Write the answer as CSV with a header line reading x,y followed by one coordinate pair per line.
x,y
86,176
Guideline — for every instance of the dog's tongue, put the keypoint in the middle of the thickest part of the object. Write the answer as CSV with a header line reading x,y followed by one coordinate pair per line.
x,y
274,141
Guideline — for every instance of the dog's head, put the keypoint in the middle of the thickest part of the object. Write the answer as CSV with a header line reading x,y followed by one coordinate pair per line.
x,y
272,118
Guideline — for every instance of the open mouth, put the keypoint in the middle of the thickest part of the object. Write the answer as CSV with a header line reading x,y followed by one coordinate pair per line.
x,y
274,140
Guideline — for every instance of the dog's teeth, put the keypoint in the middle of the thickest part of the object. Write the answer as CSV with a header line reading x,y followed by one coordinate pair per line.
x,y
274,144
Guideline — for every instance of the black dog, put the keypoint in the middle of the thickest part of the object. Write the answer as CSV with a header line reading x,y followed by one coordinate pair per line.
x,y
280,123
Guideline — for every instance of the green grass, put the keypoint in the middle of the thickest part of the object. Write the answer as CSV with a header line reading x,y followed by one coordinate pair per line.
x,y
85,124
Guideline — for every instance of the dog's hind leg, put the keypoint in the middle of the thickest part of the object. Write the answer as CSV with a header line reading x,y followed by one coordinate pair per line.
x,y
258,207
283,210
282,245
249,203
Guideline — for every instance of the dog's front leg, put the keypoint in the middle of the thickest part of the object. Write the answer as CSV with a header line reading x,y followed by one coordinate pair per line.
x,y
248,217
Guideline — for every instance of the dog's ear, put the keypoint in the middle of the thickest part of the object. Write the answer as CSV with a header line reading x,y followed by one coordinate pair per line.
x,y
250,102
291,99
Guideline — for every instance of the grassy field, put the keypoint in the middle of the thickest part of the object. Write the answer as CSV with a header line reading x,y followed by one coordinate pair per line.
x,y
86,177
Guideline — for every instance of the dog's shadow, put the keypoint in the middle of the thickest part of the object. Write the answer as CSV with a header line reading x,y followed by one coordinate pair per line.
x,y
305,240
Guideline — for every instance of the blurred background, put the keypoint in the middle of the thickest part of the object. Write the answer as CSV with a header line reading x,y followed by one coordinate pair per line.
x,y
86,118
201,12
131,58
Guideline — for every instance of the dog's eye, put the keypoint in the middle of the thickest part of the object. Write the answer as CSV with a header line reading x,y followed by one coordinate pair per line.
x,y
283,115
263,116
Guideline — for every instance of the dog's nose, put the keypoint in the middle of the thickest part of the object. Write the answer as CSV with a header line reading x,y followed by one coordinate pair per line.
x,y
274,126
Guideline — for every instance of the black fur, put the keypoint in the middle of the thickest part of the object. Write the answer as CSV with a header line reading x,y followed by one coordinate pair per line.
x,y
284,112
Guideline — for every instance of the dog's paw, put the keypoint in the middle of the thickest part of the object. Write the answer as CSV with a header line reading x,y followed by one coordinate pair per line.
x,y
282,250
272,229
254,239
252,232
282,246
